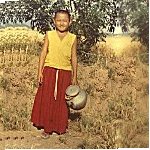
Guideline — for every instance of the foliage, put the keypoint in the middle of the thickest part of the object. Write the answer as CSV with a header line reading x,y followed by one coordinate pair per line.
x,y
136,14
140,21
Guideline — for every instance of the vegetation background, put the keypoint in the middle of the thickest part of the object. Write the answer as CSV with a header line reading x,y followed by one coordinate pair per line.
x,y
115,66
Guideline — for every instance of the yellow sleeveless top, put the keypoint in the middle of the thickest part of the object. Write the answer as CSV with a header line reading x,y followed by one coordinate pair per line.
x,y
59,51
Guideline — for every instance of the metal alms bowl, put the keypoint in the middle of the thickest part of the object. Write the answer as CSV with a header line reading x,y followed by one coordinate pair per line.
x,y
78,101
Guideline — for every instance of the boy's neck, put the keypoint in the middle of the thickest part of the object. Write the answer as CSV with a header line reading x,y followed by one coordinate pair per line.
x,y
62,33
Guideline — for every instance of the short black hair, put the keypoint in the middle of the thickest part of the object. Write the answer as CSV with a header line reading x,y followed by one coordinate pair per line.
x,y
63,12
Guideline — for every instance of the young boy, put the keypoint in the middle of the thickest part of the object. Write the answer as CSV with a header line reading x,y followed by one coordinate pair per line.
x,y
57,70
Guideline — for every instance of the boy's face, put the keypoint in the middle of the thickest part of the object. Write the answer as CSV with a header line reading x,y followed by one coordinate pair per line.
x,y
62,22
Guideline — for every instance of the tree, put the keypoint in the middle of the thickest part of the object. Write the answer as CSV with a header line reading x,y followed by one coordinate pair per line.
x,y
135,13
139,19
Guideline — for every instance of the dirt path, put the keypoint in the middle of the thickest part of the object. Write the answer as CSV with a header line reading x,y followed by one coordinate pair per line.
x,y
33,140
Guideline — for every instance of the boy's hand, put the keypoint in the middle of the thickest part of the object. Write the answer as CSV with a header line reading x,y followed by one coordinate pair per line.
x,y
74,81
40,78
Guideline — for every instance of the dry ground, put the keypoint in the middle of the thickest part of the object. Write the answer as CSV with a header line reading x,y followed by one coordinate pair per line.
x,y
33,140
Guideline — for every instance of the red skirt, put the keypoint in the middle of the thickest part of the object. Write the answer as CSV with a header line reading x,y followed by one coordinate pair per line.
x,y
49,113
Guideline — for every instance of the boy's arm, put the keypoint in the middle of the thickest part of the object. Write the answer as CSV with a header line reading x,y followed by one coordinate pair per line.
x,y
74,62
42,58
